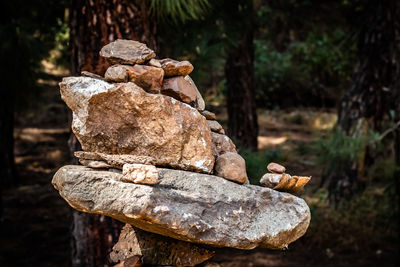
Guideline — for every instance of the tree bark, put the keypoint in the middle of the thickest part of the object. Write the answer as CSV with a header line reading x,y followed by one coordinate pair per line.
x,y
239,71
93,24
371,95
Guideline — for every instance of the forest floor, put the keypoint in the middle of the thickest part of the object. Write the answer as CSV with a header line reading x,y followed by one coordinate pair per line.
x,y
35,230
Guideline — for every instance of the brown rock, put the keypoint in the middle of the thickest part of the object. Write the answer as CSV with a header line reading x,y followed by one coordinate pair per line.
x,y
270,180
155,63
199,104
115,161
148,77
208,114
116,73
176,68
95,164
222,144
91,75
215,127
231,166
180,89
123,119
126,52
157,249
140,174
276,168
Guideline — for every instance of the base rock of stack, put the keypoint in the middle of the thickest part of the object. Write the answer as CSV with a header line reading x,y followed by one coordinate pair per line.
x,y
189,206
124,119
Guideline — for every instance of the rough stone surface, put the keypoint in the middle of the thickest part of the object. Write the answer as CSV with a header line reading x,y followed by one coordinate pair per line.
x,y
126,52
91,75
189,206
208,114
199,103
156,249
173,67
180,89
215,127
140,173
155,63
95,164
231,166
276,168
113,161
270,180
222,144
116,73
123,119
148,77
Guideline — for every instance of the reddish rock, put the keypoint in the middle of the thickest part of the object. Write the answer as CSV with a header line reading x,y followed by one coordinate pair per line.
x,y
180,89
222,144
148,77
231,166
126,52
215,127
276,168
123,119
173,67
199,104
209,115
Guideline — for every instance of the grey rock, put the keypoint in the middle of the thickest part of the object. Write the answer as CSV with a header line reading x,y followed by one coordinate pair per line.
x,y
126,52
189,206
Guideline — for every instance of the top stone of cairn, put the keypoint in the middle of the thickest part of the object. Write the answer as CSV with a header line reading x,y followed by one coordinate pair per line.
x,y
126,52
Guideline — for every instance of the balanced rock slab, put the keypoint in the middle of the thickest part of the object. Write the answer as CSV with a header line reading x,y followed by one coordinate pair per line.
x,y
123,119
188,206
126,52
173,67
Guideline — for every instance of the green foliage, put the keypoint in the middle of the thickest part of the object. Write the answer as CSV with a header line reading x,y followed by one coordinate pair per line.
x,y
340,149
256,162
178,10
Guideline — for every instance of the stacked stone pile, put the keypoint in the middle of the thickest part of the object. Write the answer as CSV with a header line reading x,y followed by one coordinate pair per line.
x,y
154,158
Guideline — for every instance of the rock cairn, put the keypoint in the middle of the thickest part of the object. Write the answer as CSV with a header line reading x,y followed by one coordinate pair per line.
x,y
155,159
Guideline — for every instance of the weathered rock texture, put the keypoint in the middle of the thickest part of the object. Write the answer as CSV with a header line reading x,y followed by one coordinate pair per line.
x,y
284,182
222,144
156,249
180,89
173,67
189,206
140,173
124,119
126,52
231,166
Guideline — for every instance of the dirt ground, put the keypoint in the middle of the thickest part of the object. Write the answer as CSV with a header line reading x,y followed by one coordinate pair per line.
x,y
35,231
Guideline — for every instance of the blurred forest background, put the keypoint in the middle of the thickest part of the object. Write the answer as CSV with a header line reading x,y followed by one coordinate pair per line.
x,y
313,85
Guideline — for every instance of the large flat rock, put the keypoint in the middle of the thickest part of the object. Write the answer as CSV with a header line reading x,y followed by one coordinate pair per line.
x,y
189,206
124,119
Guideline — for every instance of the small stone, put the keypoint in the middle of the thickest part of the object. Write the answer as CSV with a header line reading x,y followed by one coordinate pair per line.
x,y
95,164
208,114
276,168
116,73
199,103
126,52
155,63
140,174
91,75
176,68
148,77
215,127
231,166
270,180
180,89
222,144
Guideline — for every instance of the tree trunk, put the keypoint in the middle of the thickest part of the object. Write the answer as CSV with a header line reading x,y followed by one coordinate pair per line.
x,y
93,24
239,71
370,97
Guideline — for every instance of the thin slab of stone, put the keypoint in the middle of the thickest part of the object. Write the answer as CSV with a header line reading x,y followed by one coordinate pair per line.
x,y
188,206
156,249
126,52
208,115
284,182
95,164
91,75
124,119
173,67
